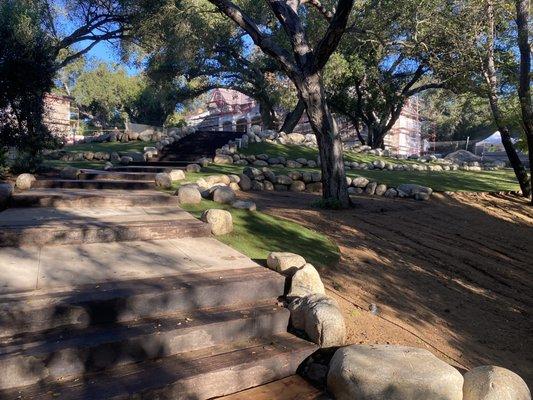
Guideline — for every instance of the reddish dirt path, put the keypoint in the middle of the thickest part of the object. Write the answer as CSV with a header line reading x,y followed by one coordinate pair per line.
x,y
453,274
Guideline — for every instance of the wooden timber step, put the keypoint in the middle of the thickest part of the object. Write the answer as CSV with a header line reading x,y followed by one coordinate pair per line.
x,y
202,374
291,388
144,168
81,231
51,226
116,176
93,184
68,353
76,198
82,306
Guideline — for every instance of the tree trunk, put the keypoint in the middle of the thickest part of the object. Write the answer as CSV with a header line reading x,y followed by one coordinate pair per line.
x,y
524,88
492,86
268,115
334,188
293,117
376,136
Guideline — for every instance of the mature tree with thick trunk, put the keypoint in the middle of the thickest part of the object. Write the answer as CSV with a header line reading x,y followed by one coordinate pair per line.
x,y
304,65
524,84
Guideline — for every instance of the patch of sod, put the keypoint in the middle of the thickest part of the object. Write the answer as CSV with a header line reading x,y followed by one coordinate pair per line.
x,y
256,234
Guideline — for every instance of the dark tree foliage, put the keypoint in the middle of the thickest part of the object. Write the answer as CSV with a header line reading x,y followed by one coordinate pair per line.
x,y
27,68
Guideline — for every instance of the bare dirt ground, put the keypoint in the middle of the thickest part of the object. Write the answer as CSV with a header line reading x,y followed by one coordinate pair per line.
x,y
453,274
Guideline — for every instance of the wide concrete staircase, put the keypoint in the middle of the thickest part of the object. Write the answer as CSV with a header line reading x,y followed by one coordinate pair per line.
x,y
117,293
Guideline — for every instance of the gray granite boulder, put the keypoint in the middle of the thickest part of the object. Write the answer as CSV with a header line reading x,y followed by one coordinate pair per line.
x,y
387,372
494,383
305,281
220,221
321,319
284,262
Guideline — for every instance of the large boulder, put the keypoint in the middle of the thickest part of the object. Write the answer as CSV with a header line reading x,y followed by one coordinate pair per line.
x,y
6,191
220,221
224,195
176,174
189,194
223,159
163,180
24,181
306,281
321,319
69,173
494,383
386,372
284,262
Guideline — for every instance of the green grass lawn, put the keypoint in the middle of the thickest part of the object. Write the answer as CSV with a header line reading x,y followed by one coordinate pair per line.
x,y
109,147
256,234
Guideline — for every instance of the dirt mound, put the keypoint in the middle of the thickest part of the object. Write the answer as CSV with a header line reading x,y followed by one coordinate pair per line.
x,y
461,156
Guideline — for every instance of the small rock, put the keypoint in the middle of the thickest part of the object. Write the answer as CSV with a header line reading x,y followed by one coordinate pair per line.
x,y
220,221
360,182
244,205
195,168
391,193
163,180
283,180
125,160
371,188
176,175
223,159
305,281
285,263
245,182
297,186
24,181
267,185
189,194
380,189
224,195
69,173
494,383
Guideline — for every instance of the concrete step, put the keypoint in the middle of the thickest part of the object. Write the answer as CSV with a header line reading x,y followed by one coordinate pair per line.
x,y
79,198
199,375
93,184
81,306
116,176
51,226
68,353
145,168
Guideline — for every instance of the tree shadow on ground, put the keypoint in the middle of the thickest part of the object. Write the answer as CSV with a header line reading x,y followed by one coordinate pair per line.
x,y
456,271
